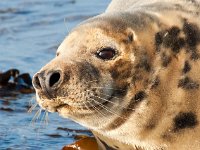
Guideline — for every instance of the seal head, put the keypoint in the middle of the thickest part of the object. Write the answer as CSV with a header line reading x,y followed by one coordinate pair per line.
x,y
91,72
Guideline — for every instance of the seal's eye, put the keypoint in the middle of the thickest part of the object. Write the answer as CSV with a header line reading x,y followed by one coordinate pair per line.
x,y
106,53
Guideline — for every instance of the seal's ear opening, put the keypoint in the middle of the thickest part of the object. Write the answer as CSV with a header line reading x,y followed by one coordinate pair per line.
x,y
131,36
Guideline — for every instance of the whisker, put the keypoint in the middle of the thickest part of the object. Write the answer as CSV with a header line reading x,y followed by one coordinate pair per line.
x,y
105,108
92,81
36,116
109,101
40,110
32,107
31,99
123,107
46,117
65,23
107,88
104,115
111,96
97,110
86,106
43,119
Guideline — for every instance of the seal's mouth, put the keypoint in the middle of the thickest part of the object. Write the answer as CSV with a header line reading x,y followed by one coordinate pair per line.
x,y
94,107
89,105
53,106
61,106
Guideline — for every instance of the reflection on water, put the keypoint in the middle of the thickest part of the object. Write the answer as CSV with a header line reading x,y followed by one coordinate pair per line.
x,y
30,32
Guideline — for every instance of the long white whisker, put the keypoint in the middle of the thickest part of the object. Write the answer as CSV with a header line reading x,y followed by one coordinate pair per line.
x,y
46,117
31,99
107,88
65,23
97,110
123,107
36,116
43,119
111,96
104,99
91,81
32,107
105,108
40,110
86,106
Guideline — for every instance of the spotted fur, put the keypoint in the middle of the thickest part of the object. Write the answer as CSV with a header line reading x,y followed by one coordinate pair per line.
x,y
145,94
185,120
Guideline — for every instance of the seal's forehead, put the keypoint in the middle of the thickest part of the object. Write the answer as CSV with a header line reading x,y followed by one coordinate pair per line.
x,y
86,38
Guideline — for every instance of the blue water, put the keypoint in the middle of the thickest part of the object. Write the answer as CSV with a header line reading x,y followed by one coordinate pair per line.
x,y
30,32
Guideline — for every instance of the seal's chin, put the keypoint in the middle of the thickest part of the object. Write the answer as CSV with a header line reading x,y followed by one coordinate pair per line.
x,y
61,106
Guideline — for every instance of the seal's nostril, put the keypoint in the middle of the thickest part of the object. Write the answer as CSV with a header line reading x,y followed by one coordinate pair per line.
x,y
54,78
36,82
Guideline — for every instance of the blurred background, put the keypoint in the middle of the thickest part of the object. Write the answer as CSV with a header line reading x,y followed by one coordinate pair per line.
x,y
30,32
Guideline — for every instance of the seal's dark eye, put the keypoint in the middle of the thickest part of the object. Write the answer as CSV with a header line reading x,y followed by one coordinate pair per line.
x,y
106,53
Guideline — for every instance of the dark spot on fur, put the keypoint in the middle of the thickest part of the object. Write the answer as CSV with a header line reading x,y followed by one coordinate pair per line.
x,y
88,71
178,44
174,31
158,40
94,70
195,55
120,92
186,67
188,84
121,70
165,60
155,82
192,33
144,63
185,120
139,96
171,39
170,36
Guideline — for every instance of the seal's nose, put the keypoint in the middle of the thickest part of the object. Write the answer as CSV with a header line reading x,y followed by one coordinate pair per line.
x,y
48,82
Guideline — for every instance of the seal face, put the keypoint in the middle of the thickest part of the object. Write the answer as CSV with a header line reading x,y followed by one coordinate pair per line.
x,y
131,76
84,78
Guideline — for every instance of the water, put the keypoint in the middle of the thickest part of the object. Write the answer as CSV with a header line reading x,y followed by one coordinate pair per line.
x,y
30,32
